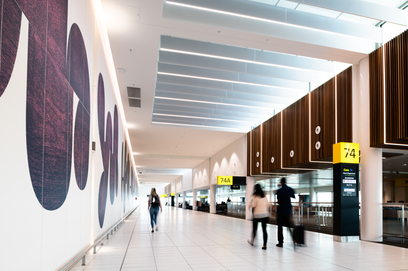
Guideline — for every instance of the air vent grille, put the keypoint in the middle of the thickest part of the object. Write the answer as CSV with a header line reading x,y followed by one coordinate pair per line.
x,y
135,103
133,92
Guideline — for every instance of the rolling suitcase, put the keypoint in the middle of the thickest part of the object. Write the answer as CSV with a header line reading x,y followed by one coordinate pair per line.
x,y
299,235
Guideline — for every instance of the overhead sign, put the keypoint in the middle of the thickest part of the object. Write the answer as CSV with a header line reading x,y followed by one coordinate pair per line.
x,y
235,187
224,180
348,153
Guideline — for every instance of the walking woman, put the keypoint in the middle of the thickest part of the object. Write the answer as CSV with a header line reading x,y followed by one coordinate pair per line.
x,y
260,207
154,205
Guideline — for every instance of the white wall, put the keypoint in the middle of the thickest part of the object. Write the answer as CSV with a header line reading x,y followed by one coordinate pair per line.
x,y
49,238
231,161
188,180
179,185
201,175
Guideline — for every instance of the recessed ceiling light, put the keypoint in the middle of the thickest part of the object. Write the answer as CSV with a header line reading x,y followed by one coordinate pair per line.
x,y
404,165
120,70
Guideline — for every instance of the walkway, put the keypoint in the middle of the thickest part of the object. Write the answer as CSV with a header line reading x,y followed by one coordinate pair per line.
x,y
189,240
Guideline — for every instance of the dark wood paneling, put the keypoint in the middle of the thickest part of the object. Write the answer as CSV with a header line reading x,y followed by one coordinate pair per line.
x,y
271,144
345,106
256,150
396,84
376,98
322,111
249,154
295,133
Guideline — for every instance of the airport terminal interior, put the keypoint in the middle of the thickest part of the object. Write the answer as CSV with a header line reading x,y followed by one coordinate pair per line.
x,y
103,102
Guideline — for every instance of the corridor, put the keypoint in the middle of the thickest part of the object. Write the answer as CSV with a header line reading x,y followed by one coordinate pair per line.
x,y
188,240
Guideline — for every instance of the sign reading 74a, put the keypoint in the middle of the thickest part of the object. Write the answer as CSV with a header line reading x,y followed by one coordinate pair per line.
x,y
224,180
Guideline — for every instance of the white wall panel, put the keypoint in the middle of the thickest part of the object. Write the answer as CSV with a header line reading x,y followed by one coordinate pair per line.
x,y
201,175
230,161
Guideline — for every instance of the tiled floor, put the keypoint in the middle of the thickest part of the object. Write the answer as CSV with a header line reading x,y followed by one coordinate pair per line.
x,y
189,240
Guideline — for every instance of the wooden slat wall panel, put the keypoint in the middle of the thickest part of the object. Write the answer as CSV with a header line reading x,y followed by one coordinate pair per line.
x,y
271,144
249,154
322,110
345,106
396,61
376,98
256,148
295,133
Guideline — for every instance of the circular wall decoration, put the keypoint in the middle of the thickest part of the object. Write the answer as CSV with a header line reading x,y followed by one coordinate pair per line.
x,y
257,164
317,130
317,145
272,160
292,153
257,154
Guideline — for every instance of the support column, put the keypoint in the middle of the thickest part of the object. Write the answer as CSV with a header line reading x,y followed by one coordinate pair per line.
x,y
312,192
371,186
177,199
212,199
194,199
248,196
184,200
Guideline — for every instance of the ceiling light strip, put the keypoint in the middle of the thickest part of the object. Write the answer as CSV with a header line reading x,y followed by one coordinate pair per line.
x,y
204,118
264,20
227,81
201,126
205,102
237,59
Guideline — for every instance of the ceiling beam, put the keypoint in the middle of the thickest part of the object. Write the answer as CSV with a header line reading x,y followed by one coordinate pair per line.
x,y
274,14
361,8
218,100
170,108
180,59
245,54
225,107
229,77
226,94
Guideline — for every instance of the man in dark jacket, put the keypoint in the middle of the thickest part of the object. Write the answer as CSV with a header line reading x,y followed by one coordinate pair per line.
x,y
284,209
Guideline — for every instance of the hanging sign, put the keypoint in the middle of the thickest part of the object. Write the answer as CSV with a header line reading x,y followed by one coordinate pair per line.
x,y
348,153
224,180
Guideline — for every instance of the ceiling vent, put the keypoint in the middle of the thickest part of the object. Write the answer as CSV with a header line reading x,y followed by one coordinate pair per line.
x,y
134,95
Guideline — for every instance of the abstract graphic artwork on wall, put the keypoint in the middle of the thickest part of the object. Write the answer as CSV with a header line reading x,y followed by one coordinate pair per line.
x,y
10,20
108,137
53,75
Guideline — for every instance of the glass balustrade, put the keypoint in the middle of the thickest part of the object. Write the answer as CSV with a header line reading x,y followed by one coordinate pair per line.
x,y
313,215
395,222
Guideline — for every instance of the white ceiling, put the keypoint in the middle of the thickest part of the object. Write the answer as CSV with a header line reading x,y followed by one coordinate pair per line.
x,y
137,29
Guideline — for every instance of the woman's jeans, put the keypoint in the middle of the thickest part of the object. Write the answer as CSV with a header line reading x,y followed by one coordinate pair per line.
x,y
154,211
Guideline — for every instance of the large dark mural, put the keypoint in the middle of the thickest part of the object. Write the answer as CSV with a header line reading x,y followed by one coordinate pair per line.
x,y
54,73
57,129
108,136
10,20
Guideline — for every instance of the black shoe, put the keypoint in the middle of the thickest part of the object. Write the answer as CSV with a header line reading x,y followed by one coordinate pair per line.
x,y
279,245
264,248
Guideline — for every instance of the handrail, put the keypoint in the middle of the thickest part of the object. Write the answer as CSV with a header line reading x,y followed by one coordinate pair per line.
x,y
81,255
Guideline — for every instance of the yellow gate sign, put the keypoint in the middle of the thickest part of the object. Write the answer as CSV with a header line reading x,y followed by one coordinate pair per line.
x,y
348,153
224,180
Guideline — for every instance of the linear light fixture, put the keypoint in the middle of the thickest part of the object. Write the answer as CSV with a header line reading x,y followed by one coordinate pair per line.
x,y
205,102
223,80
262,19
202,126
237,59
179,116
